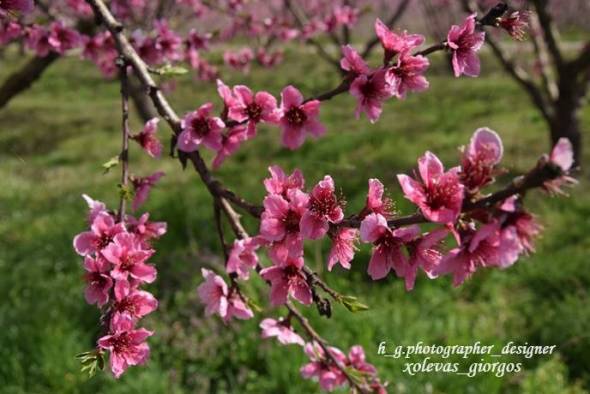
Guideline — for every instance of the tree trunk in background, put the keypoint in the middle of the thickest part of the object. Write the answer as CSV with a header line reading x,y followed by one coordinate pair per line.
x,y
22,79
141,101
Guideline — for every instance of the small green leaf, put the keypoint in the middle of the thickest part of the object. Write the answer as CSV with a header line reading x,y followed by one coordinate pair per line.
x,y
352,304
91,362
126,192
254,305
170,71
113,161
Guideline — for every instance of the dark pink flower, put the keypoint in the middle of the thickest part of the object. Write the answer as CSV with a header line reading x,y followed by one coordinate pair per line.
x,y
396,43
286,280
387,251
167,42
526,224
128,257
142,187
353,62
268,59
343,247
370,92
464,43
424,253
62,38
80,7
147,138
126,344
133,303
480,159
198,127
145,230
280,183
562,156
9,6
440,196
192,44
321,367
37,40
101,234
280,224
376,202
239,60
408,75
9,30
242,257
99,283
323,208
281,329
230,143
515,24
298,118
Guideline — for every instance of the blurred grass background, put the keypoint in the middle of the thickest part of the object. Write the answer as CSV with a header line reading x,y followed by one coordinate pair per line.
x,y
55,137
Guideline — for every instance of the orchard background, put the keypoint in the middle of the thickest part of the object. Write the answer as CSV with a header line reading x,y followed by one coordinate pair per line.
x,y
56,136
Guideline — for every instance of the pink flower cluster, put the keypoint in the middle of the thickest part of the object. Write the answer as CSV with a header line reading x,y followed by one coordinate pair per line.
x,y
115,259
57,38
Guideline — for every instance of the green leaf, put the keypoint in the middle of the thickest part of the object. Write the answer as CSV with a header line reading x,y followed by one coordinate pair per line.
x,y
125,192
254,305
91,362
352,304
113,161
170,71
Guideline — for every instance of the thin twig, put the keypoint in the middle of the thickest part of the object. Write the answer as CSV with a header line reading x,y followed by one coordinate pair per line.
x,y
124,156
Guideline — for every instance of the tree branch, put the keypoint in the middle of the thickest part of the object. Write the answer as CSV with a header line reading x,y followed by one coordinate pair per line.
x,y
124,156
548,32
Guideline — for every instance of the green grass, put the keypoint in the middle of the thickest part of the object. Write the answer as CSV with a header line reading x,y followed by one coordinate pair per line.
x,y
55,137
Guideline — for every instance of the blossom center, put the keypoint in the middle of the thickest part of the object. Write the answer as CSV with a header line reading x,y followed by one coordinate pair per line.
x,y
296,116
291,221
323,203
254,111
200,126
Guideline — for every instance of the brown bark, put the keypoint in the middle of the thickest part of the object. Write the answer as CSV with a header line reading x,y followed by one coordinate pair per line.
x,y
141,101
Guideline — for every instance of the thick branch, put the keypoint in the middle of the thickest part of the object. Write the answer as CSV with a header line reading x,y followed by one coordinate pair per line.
x,y
548,32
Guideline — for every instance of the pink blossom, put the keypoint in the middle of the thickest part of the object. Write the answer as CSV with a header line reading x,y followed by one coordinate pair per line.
x,y
357,360
133,303
62,38
101,50
464,43
323,208
281,329
146,48
480,158
239,60
370,92
9,30
230,143
322,368
424,253
286,280
167,42
526,225
245,106
101,234
10,6
126,344
353,62
562,156
80,7
128,257
242,257
145,230
342,16
280,183
142,187
298,118
440,196
213,293
99,283
280,224
515,24
387,251
192,44
147,138
343,247
408,75
376,202
95,207
37,40
201,128
268,59
396,43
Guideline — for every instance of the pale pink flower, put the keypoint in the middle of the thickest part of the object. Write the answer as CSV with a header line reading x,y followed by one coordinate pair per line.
x,y
280,224
268,59
95,207
480,158
128,257
236,307
198,127
396,43
230,143
142,187
98,281
145,230
464,43
10,6
133,303
387,251
357,360
213,293
408,75
286,280
321,367
440,196
281,329
147,138
370,92
515,24
353,62
562,157
126,345
243,257
376,202
424,252
323,208
343,247
102,232
280,183
62,38
298,118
